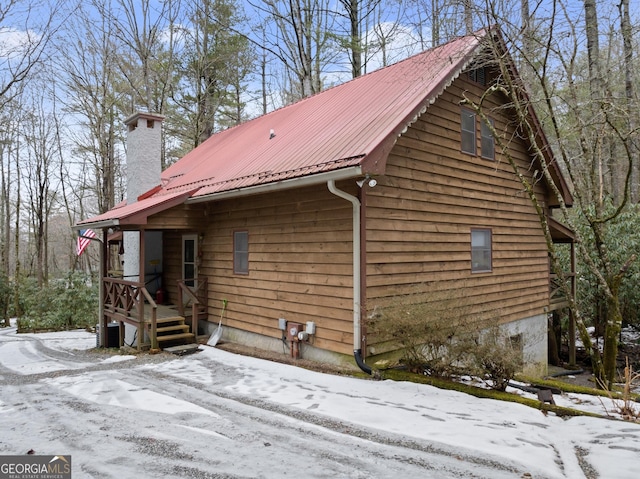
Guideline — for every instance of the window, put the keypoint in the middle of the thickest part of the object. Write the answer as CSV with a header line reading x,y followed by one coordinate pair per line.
x,y
468,144
189,255
468,123
241,252
481,250
478,75
487,141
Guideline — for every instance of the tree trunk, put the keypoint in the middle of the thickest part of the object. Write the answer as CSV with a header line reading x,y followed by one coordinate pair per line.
x,y
356,47
435,23
629,90
468,16
611,335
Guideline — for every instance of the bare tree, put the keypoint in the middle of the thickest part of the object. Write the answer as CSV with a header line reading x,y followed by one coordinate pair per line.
x,y
299,39
41,179
10,118
143,28
91,83
585,121
626,31
28,29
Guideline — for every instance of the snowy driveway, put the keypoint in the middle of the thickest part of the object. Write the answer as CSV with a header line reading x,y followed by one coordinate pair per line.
x,y
219,415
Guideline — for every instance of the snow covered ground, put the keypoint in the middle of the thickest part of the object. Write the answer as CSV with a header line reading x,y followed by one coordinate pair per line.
x,y
215,414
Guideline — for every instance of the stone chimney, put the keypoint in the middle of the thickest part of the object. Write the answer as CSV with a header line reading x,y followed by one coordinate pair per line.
x,y
144,150
144,153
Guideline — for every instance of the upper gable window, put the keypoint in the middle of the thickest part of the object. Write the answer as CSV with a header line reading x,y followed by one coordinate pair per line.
x,y
469,130
468,124
488,146
478,75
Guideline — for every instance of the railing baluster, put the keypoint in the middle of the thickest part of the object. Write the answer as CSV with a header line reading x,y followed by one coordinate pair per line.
x,y
124,302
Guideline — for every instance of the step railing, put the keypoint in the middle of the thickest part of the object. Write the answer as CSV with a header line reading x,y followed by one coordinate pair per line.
x,y
125,302
194,296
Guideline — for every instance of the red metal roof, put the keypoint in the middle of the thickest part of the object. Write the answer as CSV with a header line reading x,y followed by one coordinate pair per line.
x,y
334,129
351,125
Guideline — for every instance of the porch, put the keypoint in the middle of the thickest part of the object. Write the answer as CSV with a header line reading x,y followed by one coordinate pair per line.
x,y
560,297
156,326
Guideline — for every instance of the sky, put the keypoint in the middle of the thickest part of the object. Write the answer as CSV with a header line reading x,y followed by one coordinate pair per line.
x,y
503,433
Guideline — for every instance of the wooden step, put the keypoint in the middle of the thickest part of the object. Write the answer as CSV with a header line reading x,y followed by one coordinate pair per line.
x,y
176,327
173,337
171,319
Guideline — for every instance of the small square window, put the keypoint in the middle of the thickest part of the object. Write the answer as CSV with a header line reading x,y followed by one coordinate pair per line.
x,y
488,142
468,138
481,250
241,252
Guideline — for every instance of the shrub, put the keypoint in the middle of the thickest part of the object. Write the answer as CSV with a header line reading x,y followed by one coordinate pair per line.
x,y
435,335
496,358
66,303
425,329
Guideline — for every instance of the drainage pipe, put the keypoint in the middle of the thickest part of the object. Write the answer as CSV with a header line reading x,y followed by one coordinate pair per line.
x,y
357,289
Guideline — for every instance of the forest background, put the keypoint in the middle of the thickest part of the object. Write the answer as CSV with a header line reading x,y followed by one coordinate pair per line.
x,y
72,71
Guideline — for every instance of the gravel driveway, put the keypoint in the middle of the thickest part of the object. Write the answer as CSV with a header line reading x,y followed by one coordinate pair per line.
x,y
157,416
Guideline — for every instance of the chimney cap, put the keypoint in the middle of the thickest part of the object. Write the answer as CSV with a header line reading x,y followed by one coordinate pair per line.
x,y
145,115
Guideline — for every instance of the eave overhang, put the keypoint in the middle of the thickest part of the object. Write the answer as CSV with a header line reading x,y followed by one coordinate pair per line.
x,y
134,214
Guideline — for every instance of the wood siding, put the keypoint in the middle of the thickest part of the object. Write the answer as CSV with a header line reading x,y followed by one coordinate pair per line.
x,y
419,220
300,264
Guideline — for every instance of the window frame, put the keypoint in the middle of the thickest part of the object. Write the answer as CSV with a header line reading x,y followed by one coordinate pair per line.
x,y
464,133
487,138
482,249
192,282
241,256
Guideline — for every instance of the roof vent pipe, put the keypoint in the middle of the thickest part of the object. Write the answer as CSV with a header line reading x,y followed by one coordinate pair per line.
x,y
357,330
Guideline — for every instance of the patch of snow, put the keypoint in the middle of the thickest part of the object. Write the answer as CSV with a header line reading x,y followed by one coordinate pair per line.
x,y
118,359
104,388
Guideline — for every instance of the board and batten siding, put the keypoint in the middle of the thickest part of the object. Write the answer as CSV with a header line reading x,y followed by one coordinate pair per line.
x,y
420,215
300,264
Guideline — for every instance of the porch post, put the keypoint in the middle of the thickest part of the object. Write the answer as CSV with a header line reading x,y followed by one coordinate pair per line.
x,y
572,319
102,319
142,277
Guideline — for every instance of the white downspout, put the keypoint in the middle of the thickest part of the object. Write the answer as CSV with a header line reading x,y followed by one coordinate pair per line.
x,y
357,316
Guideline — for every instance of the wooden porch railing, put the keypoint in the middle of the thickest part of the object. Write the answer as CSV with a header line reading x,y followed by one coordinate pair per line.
x,y
557,297
196,296
127,302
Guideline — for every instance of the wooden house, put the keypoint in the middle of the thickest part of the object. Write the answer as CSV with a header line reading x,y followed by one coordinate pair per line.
x,y
315,216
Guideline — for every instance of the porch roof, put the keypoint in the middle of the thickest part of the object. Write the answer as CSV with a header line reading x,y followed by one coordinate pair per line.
x,y
559,232
136,213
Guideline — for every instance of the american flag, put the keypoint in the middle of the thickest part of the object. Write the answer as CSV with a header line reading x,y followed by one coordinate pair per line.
x,y
84,238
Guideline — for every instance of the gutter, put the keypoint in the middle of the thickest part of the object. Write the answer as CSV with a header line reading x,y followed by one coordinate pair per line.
x,y
319,178
357,290
98,225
